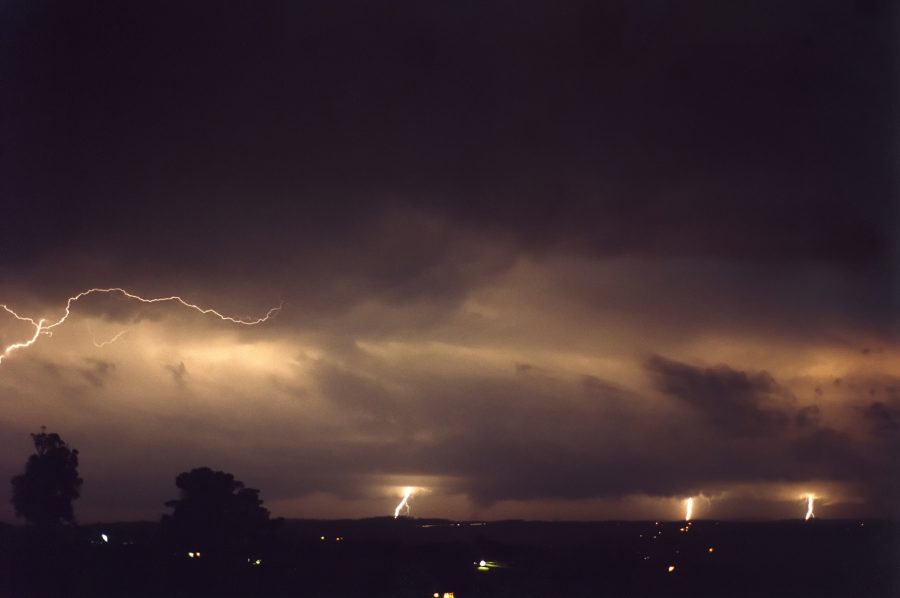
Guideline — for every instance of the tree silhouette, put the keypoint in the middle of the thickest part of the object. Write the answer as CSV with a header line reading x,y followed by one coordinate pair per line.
x,y
215,513
43,495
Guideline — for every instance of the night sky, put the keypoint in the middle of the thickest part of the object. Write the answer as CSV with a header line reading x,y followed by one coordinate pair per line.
x,y
560,260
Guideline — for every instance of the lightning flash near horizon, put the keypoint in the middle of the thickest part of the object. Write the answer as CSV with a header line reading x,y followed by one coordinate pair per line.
x,y
404,504
688,509
809,507
41,327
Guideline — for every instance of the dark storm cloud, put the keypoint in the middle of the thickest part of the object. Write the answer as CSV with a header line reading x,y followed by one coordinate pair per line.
x,y
532,188
867,388
753,405
579,450
98,372
808,416
179,373
883,420
354,394
214,140
478,433
733,401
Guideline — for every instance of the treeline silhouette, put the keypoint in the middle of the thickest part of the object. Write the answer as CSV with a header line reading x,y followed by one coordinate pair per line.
x,y
43,495
215,518
218,540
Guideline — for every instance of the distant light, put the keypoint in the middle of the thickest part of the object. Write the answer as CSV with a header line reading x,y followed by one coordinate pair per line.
x,y
448,595
711,550
671,568
321,537
104,537
436,595
482,563
190,555
257,562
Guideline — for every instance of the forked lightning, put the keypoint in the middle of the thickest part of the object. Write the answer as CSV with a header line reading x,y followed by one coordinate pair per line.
x,y
404,504
42,327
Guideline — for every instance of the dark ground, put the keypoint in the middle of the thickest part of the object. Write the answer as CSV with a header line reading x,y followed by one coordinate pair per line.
x,y
416,558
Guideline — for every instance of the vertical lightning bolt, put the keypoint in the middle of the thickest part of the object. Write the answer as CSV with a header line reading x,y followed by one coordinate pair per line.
x,y
42,327
404,504
688,509
809,507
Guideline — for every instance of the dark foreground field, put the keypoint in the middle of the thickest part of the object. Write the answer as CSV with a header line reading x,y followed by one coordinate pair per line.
x,y
416,558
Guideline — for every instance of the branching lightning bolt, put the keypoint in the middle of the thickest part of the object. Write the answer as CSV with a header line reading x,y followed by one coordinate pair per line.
x,y
38,330
404,504
809,507
42,327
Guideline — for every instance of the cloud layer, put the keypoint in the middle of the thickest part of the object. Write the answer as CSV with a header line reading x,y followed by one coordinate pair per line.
x,y
549,262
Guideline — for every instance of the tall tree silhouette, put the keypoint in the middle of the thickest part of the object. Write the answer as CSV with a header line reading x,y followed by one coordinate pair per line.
x,y
43,495
215,513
